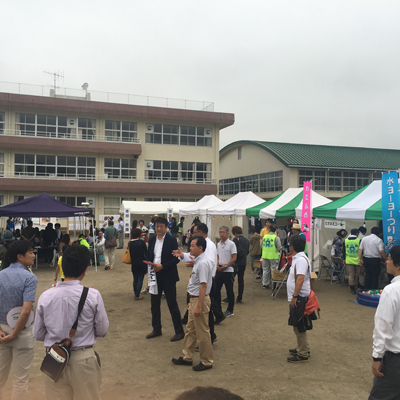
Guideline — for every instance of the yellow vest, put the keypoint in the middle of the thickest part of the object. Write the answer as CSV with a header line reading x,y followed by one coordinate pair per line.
x,y
269,250
352,246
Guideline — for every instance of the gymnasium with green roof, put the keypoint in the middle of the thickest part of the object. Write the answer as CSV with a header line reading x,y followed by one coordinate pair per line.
x,y
269,168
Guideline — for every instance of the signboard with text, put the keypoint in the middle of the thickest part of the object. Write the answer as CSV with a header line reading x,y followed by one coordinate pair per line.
x,y
390,209
306,211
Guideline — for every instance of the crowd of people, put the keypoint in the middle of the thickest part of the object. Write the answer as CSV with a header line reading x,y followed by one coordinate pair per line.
x,y
156,249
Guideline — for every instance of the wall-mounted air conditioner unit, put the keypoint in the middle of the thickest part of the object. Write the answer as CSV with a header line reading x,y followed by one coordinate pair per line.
x,y
72,122
148,165
208,132
149,128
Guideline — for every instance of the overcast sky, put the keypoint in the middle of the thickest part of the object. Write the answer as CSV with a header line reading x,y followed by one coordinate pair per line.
x,y
305,71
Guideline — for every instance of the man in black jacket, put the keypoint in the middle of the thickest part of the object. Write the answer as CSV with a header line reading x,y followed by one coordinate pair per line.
x,y
159,253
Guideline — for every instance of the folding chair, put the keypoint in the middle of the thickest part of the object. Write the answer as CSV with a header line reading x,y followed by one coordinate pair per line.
x,y
325,264
285,264
257,271
341,270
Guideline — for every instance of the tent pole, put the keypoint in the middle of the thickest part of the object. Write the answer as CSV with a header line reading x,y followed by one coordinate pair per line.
x,y
312,242
94,243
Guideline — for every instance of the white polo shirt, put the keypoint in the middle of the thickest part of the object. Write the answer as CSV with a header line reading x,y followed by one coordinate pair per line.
x,y
225,252
210,253
201,273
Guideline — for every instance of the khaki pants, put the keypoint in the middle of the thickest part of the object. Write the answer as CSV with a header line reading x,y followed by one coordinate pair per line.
x,y
302,343
81,379
352,270
109,257
18,355
197,328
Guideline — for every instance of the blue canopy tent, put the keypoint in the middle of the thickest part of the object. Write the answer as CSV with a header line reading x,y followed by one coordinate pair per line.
x,y
42,205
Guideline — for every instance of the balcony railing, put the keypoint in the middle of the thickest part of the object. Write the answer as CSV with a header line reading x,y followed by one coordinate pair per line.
x,y
102,177
69,136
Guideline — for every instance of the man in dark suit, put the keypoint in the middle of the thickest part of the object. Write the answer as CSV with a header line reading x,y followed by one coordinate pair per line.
x,y
159,252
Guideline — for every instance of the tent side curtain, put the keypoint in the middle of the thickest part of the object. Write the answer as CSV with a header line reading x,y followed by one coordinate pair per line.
x,y
255,211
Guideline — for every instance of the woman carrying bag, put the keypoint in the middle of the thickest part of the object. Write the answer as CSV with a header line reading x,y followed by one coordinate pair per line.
x,y
137,249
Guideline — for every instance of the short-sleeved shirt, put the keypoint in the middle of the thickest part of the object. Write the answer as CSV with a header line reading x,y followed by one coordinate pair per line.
x,y
17,285
371,245
120,226
225,252
201,273
302,264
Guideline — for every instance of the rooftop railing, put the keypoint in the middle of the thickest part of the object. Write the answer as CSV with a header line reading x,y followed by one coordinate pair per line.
x,y
108,97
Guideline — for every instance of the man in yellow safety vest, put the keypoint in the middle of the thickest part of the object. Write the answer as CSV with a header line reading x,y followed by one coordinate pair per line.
x,y
270,247
350,258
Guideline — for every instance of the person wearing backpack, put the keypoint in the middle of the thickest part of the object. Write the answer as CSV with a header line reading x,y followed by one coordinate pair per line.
x,y
242,246
111,235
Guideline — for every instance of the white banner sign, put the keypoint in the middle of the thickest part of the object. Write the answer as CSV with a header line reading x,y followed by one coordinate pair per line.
x,y
335,224
317,224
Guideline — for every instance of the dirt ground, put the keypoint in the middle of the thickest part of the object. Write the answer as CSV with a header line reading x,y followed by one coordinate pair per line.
x,y
250,354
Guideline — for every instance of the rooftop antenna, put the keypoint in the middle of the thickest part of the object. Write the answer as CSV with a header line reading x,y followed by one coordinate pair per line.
x,y
56,76
85,88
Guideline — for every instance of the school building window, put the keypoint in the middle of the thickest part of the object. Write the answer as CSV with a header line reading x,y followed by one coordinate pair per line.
x,y
121,131
120,168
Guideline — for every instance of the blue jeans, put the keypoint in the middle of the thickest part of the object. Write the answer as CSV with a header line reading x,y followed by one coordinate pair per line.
x,y
137,283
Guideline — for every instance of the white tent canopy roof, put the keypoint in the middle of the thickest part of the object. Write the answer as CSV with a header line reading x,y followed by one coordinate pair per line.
x,y
153,207
236,205
201,206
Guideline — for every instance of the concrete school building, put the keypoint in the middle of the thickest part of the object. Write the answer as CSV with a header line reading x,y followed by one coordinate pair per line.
x,y
79,150
268,168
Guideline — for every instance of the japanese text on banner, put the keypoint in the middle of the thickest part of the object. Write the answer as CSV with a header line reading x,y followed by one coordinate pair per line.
x,y
306,211
390,209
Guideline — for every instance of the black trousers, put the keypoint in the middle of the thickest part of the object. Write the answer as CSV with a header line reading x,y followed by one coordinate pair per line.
x,y
170,295
372,272
224,278
387,387
240,274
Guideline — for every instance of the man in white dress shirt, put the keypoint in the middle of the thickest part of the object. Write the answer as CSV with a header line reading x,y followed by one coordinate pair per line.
x,y
386,346
370,252
211,253
199,307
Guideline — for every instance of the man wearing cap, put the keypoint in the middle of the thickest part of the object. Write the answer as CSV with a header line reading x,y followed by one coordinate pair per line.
x,y
7,238
17,345
296,230
370,253
270,247
351,246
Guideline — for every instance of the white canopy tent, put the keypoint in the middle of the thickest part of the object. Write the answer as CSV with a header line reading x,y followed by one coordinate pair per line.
x,y
137,210
232,212
200,207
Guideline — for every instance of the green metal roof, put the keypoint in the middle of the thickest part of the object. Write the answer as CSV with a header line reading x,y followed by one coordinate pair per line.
x,y
319,156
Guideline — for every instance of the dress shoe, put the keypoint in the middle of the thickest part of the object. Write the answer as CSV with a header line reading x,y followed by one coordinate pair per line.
x,y
153,335
201,367
177,336
181,361
219,319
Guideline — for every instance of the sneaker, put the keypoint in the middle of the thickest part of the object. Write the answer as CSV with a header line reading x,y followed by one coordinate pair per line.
x,y
297,359
225,300
145,291
228,314
294,352
107,267
265,287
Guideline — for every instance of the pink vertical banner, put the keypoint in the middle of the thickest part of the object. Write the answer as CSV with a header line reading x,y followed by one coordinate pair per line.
x,y
306,211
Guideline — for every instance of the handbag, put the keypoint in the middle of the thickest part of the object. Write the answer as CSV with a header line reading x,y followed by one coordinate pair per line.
x,y
126,258
58,356
312,302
